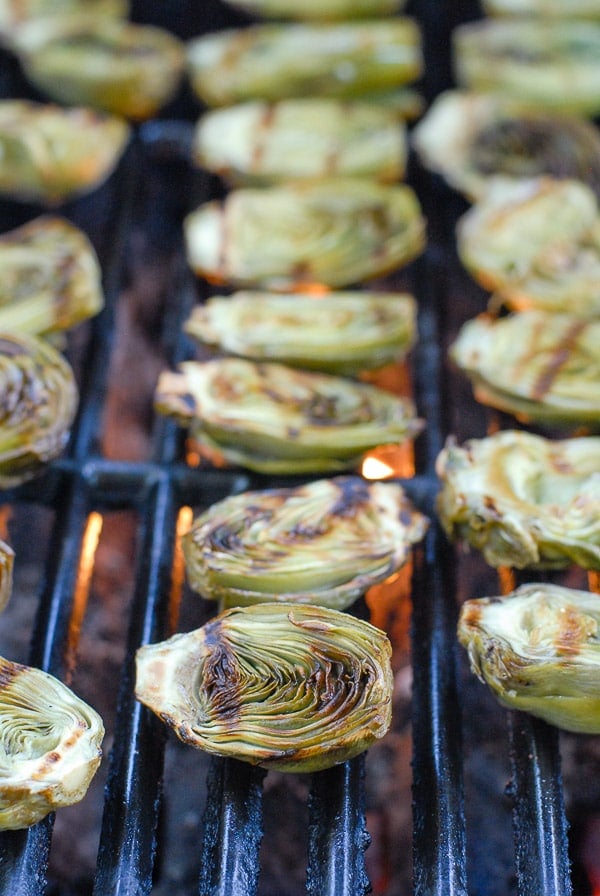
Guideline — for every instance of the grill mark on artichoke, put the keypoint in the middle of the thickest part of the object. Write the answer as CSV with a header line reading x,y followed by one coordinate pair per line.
x,y
560,356
263,126
9,672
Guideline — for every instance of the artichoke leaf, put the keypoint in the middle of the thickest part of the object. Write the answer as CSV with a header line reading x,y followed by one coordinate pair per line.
x,y
523,500
538,651
324,543
339,333
299,420
50,745
297,688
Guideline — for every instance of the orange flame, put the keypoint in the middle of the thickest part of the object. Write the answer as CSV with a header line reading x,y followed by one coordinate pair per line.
x,y
184,521
89,546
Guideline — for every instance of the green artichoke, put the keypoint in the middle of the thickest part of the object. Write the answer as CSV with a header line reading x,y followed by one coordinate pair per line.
x,y
49,745
15,13
275,61
538,366
262,143
334,232
544,63
7,558
538,650
106,63
51,154
523,500
340,333
324,543
318,10
51,278
38,401
537,244
275,419
296,688
485,136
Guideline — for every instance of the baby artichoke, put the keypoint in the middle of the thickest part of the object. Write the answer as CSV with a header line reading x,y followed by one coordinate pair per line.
x,y
470,138
523,500
51,278
324,543
275,61
537,366
544,63
49,745
335,232
50,154
296,688
324,10
38,401
274,419
259,142
110,64
14,13
537,649
339,333
537,243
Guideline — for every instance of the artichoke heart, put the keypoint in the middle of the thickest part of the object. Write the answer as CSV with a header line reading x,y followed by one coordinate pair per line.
x,y
340,333
38,401
51,278
335,232
470,138
110,64
279,61
538,366
324,543
551,64
274,419
536,242
538,649
523,500
296,688
50,154
50,745
318,10
258,142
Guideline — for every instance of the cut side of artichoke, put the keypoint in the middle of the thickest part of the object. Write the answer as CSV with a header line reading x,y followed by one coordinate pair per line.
x,y
106,63
339,333
538,366
523,500
318,10
335,232
536,242
38,401
538,650
549,64
471,138
50,154
324,543
51,277
277,61
50,745
274,419
262,143
296,688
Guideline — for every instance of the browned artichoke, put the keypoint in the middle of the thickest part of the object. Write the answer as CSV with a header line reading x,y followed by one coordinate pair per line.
x,y
296,688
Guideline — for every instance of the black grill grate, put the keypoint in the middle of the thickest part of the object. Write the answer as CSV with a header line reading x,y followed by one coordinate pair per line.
x,y
228,858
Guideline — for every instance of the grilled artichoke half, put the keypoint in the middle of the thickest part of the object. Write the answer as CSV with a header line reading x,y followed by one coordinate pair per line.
x,y
38,401
552,65
537,649
112,65
523,500
537,366
7,559
334,232
261,143
580,9
14,13
51,278
296,688
318,10
49,745
274,419
324,543
274,61
537,244
469,138
340,333
50,154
